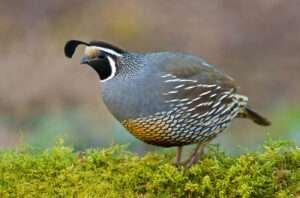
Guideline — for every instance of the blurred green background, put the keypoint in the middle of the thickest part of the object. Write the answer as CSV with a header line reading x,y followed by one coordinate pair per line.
x,y
45,96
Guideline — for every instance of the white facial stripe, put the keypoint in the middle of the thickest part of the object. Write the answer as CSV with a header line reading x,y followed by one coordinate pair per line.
x,y
113,68
110,51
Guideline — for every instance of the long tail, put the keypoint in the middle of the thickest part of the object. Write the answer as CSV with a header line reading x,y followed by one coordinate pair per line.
x,y
255,117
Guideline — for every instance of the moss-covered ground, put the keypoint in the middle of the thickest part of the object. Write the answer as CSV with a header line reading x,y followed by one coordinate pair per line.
x,y
114,172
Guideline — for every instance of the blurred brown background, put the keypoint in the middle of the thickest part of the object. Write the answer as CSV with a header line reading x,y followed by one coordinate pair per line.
x,y
45,96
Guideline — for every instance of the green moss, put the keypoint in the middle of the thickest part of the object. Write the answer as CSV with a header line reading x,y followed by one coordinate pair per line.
x,y
114,172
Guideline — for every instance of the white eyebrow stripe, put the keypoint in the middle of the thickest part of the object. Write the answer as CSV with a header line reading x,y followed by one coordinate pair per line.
x,y
110,51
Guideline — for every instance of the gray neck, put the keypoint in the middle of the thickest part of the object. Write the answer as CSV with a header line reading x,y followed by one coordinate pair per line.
x,y
130,93
128,66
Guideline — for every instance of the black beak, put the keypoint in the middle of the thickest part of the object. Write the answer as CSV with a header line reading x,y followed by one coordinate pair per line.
x,y
85,60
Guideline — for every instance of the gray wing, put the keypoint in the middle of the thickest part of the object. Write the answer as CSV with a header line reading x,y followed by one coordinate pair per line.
x,y
190,67
190,81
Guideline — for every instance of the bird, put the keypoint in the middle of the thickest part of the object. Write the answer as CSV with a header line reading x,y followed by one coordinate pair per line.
x,y
167,99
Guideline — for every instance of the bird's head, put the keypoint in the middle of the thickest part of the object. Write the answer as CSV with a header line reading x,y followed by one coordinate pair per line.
x,y
103,57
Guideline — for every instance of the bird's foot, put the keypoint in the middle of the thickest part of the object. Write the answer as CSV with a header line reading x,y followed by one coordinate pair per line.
x,y
195,156
192,159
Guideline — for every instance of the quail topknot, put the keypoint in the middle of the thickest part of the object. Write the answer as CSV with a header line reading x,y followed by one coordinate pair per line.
x,y
166,98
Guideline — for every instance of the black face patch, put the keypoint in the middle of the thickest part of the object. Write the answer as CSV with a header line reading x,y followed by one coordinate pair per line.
x,y
102,67
103,63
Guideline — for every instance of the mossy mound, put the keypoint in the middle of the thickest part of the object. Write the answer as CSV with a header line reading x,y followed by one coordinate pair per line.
x,y
114,172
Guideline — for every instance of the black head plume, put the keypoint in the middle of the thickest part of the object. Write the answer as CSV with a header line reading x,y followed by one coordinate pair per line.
x,y
71,46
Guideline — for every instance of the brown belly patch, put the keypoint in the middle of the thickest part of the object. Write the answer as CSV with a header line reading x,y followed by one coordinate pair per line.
x,y
154,132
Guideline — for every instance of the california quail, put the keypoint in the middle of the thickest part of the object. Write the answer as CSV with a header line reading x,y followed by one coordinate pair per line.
x,y
165,98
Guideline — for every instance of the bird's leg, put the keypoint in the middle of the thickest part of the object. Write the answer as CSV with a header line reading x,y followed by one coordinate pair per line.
x,y
192,155
178,155
198,152
196,156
